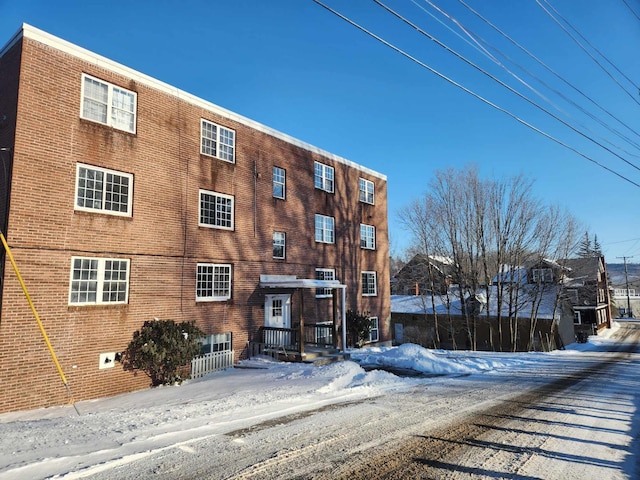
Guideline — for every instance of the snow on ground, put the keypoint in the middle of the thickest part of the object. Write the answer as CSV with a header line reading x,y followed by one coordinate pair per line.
x,y
52,442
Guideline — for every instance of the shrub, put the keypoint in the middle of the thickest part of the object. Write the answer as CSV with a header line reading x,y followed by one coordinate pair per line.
x,y
358,328
160,348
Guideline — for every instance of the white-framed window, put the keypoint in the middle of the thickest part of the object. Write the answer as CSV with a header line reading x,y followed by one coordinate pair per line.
x,y
216,210
577,317
217,141
98,281
279,182
369,288
542,275
102,190
216,342
325,274
323,176
279,244
213,282
367,236
374,332
325,229
108,104
366,189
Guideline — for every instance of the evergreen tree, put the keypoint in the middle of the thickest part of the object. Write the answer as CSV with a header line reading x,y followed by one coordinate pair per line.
x,y
597,249
584,247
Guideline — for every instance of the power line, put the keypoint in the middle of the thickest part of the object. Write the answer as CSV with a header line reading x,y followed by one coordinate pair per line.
x,y
500,82
553,72
587,52
470,92
632,10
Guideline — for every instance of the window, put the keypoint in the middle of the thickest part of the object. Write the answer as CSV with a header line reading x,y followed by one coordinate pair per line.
x,y
213,282
323,177
105,103
217,342
279,242
542,275
324,229
98,281
217,141
373,330
369,284
577,317
102,190
366,191
573,295
216,210
279,182
325,274
367,236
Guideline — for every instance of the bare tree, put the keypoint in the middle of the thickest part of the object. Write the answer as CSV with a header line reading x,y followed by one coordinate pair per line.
x,y
490,229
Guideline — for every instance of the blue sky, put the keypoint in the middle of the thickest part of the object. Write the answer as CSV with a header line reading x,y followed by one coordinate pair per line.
x,y
294,66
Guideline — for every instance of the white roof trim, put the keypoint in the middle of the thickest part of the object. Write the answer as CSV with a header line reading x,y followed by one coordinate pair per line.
x,y
45,38
290,281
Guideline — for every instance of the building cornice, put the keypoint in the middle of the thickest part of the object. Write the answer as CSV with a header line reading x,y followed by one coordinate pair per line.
x,y
35,34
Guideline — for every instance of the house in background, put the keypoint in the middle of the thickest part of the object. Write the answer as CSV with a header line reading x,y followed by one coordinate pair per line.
x,y
524,309
125,199
422,274
586,284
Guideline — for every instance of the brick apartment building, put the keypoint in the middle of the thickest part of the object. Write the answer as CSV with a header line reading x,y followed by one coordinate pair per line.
x,y
124,199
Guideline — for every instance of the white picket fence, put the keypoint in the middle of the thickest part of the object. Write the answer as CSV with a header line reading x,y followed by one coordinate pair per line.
x,y
211,362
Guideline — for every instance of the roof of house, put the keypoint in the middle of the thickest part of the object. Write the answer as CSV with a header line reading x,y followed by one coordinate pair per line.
x,y
421,304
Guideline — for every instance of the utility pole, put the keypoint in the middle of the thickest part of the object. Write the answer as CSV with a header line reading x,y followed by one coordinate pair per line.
x,y
626,277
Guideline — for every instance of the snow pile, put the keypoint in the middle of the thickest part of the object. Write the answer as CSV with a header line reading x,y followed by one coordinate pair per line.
x,y
411,357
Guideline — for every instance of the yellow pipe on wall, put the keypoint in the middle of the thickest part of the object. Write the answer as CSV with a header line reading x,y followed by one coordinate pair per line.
x,y
35,314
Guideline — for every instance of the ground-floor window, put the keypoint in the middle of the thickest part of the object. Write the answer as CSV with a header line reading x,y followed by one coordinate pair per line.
x,y
217,342
98,281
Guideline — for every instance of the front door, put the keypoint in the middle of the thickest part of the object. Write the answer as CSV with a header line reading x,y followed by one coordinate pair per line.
x,y
277,314
277,311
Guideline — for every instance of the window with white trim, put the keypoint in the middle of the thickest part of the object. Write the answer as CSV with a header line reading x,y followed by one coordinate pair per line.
x,y
366,189
213,282
216,210
369,288
367,236
98,281
325,229
108,104
374,332
102,190
325,274
216,342
279,178
217,141
542,275
279,244
323,176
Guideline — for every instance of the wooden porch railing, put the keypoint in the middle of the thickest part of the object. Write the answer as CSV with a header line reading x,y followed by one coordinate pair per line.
x,y
317,334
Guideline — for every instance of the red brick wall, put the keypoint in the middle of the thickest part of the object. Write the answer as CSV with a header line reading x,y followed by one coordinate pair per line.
x,y
162,238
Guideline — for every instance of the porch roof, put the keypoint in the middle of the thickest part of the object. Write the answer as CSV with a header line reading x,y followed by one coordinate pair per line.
x,y
291,281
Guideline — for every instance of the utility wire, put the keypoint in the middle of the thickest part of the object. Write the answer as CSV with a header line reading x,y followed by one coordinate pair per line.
x,y
592,46
632,10
587,52
501,83
552,71
470,92
475,37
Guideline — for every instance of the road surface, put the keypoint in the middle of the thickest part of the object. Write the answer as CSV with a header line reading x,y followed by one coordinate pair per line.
x,y
575,420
